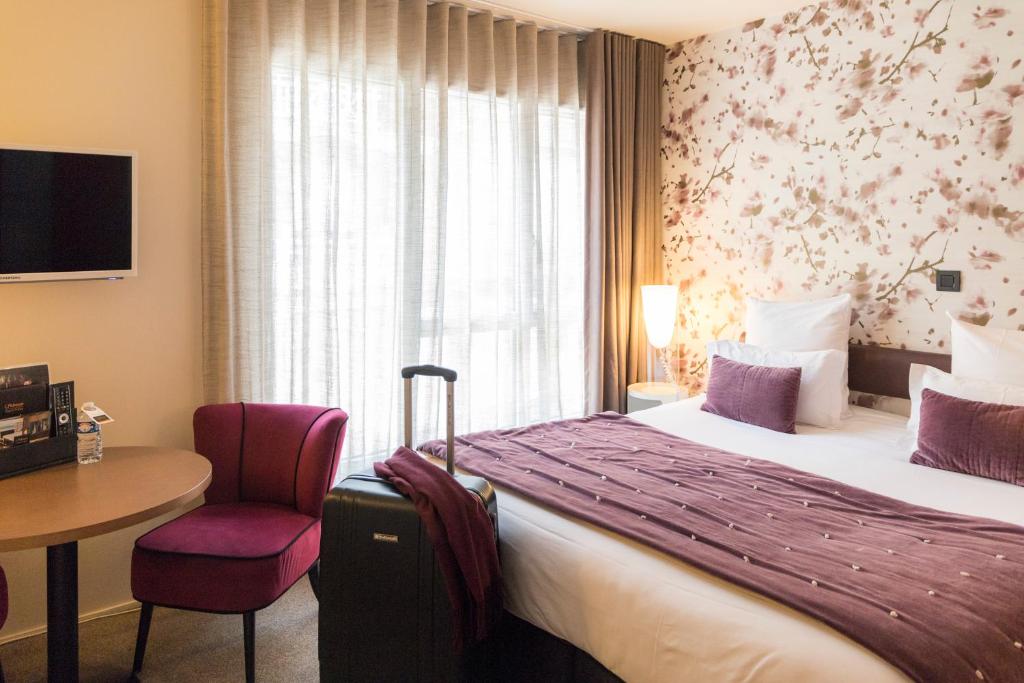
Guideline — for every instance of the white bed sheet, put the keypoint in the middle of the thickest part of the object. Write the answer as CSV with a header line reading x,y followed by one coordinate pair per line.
x,y
649,617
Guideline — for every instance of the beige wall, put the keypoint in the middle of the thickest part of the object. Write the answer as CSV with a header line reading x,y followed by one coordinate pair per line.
x,y
114,74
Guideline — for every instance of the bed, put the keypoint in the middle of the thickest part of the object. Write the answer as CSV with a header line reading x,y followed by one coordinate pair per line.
x,y
645,616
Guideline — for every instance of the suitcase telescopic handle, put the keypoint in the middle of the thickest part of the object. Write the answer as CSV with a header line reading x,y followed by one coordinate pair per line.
x,y
430,370
449,379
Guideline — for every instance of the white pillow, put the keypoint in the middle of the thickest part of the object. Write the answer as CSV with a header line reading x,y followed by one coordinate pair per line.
x,y
803,326
800,325
926,377
987,353
822,377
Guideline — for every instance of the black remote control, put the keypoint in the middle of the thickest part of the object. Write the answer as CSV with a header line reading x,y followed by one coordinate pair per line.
x,y
62,398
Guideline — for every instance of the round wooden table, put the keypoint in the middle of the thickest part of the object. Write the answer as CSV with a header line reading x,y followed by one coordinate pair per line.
x,y
58,506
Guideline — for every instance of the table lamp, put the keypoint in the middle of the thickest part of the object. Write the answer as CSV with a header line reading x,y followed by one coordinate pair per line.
x,y
660,310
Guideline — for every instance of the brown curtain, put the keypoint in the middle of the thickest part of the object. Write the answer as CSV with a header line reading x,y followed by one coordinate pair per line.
x,y
623,211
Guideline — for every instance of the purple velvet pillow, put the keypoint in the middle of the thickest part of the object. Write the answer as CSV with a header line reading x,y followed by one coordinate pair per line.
x,y
754,394
982,439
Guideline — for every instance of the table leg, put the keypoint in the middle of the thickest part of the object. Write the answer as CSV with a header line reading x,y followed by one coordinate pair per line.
x,y
62,613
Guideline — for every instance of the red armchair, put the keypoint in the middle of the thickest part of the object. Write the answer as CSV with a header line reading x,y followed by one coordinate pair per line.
x,y
259,529
3,611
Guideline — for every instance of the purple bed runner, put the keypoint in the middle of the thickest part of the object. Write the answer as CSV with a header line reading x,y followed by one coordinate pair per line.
x,y
938,595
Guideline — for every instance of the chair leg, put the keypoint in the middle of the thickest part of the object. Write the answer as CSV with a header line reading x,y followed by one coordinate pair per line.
x,y
2,679
314,579
145,616
249,633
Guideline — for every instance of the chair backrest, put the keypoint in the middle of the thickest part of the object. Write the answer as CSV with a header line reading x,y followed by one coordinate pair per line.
x,y
268,453
3,597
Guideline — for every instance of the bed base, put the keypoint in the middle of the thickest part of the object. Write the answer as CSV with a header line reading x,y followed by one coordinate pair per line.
x,y
527,654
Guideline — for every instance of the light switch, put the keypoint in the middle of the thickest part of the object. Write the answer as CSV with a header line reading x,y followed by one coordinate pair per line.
x,y
947,280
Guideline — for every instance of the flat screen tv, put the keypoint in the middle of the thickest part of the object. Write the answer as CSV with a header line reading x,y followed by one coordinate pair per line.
x,y
67,215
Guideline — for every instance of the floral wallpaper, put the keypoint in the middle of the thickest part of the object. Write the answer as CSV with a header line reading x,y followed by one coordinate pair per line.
x,y
848,146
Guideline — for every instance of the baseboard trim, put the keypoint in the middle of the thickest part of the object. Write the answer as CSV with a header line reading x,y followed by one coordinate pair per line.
x,y
123,608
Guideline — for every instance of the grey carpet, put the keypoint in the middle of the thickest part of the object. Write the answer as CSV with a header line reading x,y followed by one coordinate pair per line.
x,y
186,646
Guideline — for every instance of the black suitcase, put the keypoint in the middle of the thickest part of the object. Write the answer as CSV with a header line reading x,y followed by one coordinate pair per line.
x,y
384,609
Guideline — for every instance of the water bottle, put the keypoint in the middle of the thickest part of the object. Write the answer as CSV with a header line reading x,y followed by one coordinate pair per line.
x,y
90,440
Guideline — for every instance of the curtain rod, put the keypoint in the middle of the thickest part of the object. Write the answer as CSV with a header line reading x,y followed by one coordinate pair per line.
x,y
513,13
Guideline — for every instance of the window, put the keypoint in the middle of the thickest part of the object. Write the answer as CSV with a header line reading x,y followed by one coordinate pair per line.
x,y
435,227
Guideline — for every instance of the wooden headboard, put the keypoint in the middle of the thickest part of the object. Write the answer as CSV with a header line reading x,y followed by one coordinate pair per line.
x,y
885,371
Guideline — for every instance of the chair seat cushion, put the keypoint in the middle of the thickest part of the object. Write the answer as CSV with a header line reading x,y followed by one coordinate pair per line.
x,y
232,557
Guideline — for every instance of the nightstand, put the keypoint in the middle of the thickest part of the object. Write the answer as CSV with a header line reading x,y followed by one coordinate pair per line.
x,y
649,394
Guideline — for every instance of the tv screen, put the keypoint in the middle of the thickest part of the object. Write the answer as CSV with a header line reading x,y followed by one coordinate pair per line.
x,y
65,215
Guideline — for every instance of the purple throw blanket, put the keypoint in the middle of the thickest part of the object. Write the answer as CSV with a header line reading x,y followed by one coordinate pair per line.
x,y
938,595
463,540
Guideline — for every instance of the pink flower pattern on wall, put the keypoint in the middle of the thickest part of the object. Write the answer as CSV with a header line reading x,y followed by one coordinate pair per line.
x,y
848,146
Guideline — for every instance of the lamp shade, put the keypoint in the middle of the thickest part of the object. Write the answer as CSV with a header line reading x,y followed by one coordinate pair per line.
x,y
659,303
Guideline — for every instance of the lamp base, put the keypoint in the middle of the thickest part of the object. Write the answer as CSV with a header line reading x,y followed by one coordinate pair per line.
x,y
666,366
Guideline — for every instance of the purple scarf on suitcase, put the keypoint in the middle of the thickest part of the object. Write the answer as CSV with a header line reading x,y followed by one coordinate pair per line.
x,y
463,540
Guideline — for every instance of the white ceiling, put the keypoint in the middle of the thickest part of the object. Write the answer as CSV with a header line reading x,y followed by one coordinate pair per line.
x,y
666,21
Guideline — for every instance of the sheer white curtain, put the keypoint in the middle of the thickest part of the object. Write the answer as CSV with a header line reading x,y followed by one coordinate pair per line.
x,y
388,183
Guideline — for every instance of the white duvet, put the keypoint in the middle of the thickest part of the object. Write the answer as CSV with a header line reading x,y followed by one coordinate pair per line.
x,y
648,617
